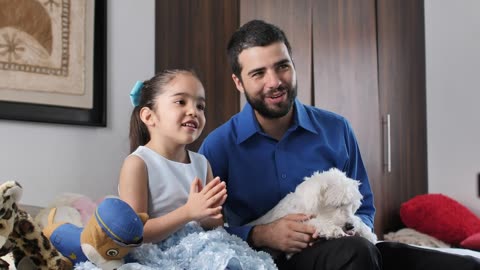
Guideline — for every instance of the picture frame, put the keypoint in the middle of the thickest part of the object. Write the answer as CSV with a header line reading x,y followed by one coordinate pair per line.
x,y
95,115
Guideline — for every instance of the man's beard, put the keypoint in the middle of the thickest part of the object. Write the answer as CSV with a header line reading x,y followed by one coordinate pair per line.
x,y
280,109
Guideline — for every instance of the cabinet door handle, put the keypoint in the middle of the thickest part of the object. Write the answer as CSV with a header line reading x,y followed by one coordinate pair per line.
x,y
388,154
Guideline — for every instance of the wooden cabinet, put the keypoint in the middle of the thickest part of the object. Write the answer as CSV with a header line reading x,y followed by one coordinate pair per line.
x,y
364,59
402,93
294,17
194,34
346,76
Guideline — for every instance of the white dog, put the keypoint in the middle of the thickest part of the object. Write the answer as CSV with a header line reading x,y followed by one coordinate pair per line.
x,y
332,198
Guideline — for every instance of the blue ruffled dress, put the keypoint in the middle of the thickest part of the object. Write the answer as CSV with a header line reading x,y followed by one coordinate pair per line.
x,y
196,249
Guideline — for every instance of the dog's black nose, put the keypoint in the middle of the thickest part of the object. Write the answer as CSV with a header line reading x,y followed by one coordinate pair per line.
x,y
348,226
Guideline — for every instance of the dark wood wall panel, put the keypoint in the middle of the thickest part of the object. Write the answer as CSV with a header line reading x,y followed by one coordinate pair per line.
x,y
345,75
294,18
401,55
194,34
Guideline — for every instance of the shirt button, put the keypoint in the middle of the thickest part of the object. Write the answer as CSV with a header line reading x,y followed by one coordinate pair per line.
x,y
284,175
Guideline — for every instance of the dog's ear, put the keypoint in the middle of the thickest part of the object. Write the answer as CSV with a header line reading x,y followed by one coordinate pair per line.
x,y
311,191
342,190
353,196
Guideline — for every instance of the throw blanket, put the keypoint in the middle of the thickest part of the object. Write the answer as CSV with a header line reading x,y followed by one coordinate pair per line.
x,y
413,237
193,248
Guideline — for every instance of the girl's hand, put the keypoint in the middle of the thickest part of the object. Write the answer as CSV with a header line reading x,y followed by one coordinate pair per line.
x,y
224,197
206,201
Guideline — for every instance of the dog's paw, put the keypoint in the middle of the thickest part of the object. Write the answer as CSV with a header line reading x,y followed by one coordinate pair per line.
x,y
368,234
331,232
371,237
361,229
326,229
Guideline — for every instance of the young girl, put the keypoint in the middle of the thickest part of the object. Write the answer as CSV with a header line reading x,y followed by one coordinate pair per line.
x,y
173,185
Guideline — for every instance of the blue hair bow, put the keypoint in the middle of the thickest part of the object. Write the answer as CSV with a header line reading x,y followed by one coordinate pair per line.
x,y
135,93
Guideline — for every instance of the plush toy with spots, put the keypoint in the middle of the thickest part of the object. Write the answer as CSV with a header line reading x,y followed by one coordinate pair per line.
x,y
31,249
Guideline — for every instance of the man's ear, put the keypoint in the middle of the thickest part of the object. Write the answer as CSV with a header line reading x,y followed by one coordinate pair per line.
x,y
238,83
147,116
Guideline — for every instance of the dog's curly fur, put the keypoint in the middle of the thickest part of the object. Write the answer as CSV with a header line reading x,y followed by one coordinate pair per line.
x,y
332,198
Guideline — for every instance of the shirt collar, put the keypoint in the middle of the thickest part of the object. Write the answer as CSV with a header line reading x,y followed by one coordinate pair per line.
x,y
303,118
248,124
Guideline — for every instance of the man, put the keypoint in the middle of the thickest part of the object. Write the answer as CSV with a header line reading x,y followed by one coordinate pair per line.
x,y
267,149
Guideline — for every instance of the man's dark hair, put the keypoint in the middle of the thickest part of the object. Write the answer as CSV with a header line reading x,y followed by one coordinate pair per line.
x,y
252,34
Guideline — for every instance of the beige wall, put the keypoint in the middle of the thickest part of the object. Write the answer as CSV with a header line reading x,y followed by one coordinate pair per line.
x,y
452,30
50,159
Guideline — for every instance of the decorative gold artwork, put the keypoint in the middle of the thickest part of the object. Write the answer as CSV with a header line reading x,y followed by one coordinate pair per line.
x,y
47,52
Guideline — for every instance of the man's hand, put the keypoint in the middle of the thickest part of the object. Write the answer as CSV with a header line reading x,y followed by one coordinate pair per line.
x,y
289,234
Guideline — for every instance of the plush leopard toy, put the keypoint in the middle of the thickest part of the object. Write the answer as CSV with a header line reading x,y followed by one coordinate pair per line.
x,y
21,236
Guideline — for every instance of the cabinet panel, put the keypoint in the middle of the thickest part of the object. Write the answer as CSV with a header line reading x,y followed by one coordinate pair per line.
x,y
294,18
194,34
345,76
401,55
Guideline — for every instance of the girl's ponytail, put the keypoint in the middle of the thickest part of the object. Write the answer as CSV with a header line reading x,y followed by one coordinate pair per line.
x,y
138,131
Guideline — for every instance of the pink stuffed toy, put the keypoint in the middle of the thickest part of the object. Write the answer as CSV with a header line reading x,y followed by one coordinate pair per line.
x,y
85,207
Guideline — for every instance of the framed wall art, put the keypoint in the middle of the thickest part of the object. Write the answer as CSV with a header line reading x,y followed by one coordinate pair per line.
x,y
53,61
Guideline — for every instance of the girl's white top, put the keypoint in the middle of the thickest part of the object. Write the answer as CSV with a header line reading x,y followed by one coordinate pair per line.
x,y
169,181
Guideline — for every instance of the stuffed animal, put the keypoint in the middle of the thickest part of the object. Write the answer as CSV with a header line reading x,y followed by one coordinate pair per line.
x,y
31,249
112,231
78,207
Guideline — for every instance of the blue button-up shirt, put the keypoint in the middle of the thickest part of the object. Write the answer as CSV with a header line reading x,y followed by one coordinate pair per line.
x,y
259,170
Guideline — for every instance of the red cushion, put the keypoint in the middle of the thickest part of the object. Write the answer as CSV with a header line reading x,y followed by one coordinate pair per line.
x,y
472,242
441,217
